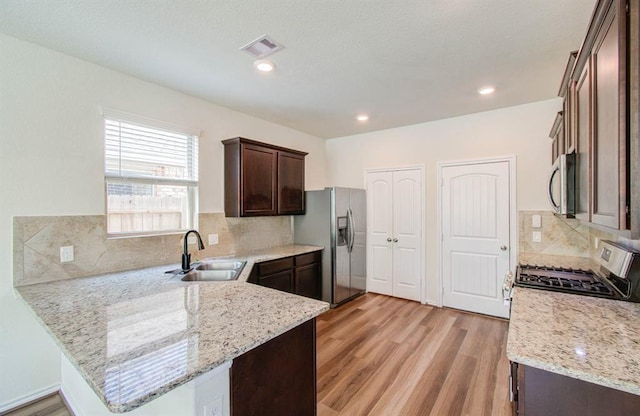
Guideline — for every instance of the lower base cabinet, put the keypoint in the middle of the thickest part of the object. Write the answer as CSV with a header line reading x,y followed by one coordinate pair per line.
x,y
538,392
299,274
277,377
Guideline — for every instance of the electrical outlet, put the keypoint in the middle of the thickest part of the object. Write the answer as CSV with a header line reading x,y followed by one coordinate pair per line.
x,y
536,221
66,254
214,408
537,237
213,239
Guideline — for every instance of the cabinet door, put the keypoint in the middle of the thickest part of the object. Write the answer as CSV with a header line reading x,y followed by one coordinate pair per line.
x,y
583,131
542,393
290,183
608,192
279,281
258,190
307,281
569,119
277,377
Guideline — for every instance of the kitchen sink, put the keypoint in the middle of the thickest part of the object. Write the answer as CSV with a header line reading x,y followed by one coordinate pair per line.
x,y
220,265
210,276
211,271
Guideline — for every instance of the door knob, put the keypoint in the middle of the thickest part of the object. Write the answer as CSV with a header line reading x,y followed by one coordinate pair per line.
x,y
503,248
395,240
389,239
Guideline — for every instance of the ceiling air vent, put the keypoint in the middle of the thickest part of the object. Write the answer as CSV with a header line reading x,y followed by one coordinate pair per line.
x,y
262,47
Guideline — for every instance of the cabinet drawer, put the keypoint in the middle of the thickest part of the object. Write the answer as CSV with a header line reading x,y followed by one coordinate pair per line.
x,y
304,259
274,266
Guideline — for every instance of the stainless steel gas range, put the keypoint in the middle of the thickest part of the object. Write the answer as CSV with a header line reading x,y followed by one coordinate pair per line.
x,y
617,278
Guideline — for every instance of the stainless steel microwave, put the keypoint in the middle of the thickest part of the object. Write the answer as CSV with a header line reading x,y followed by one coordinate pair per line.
x,y
562,185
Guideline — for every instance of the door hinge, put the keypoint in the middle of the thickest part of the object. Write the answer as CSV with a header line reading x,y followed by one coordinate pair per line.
x,y
626,209
626,7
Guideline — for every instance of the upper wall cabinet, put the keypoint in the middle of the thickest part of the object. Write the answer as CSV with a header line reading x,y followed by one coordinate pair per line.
x,y
600,117
261,179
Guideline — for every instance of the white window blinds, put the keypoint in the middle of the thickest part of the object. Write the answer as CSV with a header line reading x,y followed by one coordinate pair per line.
x,y
136,151
151,176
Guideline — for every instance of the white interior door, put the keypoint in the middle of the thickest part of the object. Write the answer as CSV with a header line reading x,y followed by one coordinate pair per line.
x,y
407,234
379,229
394,233
475,245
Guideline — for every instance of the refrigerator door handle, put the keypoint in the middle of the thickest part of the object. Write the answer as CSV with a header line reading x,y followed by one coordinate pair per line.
x,y
352,232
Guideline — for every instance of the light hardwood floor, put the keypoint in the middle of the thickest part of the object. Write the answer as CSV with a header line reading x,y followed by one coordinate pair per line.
x,y
51,405
379,355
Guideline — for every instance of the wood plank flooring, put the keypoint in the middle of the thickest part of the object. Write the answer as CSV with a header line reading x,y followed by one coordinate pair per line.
x,y
379,355
51,405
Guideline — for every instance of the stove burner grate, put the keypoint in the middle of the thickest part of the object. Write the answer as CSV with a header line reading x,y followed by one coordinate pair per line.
x,y
563,280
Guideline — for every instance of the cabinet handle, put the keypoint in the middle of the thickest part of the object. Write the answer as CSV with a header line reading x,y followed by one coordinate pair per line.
x,y
395,240
389,239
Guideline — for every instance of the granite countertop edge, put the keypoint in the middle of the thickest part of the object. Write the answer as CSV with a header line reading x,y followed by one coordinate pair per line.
x,y
251,258
548,345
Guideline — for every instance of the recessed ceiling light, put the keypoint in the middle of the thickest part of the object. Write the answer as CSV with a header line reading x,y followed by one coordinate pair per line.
x,y
362,117
264,65
486,90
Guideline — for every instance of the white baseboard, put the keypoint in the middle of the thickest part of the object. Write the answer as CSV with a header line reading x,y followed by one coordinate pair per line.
x,y
29,397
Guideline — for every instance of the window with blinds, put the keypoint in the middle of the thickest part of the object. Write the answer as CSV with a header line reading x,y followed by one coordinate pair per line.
x,y
151,177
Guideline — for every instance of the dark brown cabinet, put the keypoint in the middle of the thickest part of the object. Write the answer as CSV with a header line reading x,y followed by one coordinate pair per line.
x,y
290,183
601,120
277,377
582,110
558,135
261,179
609,148
297,274
538,392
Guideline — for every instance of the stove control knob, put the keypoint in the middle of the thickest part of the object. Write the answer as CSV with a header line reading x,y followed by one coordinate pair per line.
x,y
503,248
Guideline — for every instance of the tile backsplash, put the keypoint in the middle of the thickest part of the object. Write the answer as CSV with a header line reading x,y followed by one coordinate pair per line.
x,y
560,236
565,237
37,242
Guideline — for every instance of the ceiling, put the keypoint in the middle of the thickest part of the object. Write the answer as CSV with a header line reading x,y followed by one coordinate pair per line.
x,y
400,61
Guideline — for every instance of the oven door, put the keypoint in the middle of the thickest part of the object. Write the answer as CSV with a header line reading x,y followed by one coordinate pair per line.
x,y
562,185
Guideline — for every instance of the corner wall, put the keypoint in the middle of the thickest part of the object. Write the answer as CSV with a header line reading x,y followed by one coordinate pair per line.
x,y
52,164
521,131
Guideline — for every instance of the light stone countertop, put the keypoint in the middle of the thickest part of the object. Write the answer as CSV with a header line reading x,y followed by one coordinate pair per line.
x,y
592,339
136,335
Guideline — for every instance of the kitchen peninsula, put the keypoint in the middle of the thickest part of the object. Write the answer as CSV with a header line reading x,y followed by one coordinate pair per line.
x,y
137,335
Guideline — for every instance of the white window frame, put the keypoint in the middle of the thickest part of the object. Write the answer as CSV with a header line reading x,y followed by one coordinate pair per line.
x,y
191,185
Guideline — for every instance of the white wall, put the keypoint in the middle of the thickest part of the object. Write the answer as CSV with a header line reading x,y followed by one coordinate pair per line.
x,y
521,131
51,163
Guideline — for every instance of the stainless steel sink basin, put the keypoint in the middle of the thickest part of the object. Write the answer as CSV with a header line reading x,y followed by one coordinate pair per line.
x,y
212,271
210,276
220,265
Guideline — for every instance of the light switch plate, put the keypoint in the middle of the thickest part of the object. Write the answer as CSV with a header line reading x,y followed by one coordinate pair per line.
x,y
536,221
66,254
537,237
213,239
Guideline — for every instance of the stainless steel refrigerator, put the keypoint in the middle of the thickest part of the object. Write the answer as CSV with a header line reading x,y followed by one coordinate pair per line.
x,y
336,219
